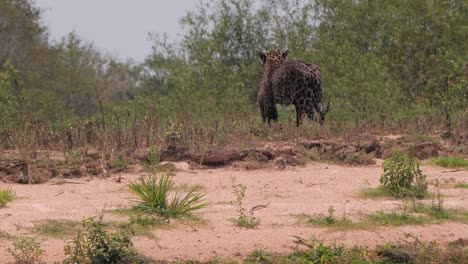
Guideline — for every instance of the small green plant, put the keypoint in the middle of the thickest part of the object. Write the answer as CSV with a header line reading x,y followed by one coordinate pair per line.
x,y
330,218
424,138
121,163
152,158
243,220
153,196
26,251
403,177
5,197
451,162
94,245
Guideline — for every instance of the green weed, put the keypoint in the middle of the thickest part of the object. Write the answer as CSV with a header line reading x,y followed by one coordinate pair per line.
x,y
27,251
243,220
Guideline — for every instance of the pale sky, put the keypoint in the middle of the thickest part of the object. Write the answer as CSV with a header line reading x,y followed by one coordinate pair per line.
x,y
119,27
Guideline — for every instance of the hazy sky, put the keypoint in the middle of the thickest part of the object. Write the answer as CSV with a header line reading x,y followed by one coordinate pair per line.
x,y
119,27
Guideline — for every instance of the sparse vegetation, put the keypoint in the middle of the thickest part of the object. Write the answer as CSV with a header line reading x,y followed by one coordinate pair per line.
x,y
403,177
5,197
416,251
56,228
154,197
27,251
184,187
451,162
316,252
5,235
327,220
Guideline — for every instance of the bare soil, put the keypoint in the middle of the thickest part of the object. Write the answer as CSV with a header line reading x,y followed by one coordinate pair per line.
x,y
283,194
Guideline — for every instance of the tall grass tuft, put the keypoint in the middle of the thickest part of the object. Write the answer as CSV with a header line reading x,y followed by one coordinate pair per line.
x,y
154,197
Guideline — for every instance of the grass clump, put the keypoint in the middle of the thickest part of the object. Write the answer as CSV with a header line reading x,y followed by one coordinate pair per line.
x,y
243,220
403,177
27,251
451,162
154,197
93,244
327,220
375,193
6,196
436,210
396,219
461,186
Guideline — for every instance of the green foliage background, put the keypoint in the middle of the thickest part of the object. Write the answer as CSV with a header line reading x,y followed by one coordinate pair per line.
x,y
389,64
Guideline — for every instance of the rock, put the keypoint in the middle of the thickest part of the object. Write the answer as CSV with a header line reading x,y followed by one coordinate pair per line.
x,y
426,150
216,159
75,172
51,155
344,150
93,153
17,171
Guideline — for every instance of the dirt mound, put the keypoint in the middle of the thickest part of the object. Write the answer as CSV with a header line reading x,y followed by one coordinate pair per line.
x,y
353,149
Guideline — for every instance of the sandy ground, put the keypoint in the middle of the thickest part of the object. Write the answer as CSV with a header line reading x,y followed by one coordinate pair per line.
x,y
288,193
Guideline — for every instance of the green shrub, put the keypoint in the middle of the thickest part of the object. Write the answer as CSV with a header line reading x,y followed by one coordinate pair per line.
x,y
153,195
27,251
403,177
5,197
94,245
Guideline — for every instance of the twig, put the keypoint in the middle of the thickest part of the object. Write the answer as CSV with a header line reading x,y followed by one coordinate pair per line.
x,y
451,171
258,207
